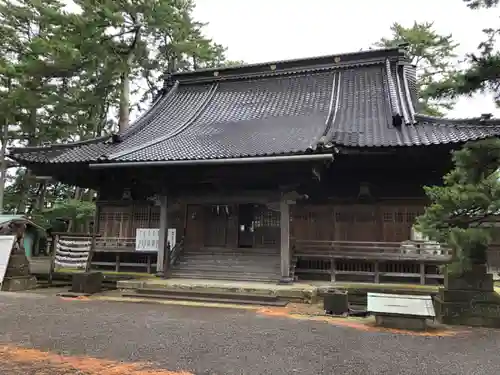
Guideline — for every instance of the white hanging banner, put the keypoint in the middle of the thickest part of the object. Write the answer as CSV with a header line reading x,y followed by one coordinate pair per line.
x,y
171,237
6,243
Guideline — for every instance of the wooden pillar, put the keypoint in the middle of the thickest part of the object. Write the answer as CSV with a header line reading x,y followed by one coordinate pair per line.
x,y
285,241
162,243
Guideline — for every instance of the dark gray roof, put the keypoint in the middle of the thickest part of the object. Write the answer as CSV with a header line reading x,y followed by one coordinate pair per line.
x,y
364,99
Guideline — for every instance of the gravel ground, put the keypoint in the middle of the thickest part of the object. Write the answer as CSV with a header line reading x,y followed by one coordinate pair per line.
x,y
216,341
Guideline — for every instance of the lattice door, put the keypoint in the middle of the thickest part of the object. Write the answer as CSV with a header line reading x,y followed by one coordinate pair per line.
x,y
114,221
266,224
356,223
398,221
313,222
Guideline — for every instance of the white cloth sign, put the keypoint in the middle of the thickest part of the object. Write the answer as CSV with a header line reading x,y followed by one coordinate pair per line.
x,y
5,251
171,237
147,239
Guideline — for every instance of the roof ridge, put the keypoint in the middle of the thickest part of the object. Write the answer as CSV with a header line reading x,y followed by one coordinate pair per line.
x,y
352,59
172,134
60,145
142,121
458,121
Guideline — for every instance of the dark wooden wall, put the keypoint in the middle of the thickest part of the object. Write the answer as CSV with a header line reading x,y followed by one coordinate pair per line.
x,y
388,221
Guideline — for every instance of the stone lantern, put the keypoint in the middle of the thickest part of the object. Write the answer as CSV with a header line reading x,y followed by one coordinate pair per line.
x,y
17,275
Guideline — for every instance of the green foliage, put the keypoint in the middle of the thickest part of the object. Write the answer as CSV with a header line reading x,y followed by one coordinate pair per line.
x,y
63,75
462,211
433,55
483,71
78,212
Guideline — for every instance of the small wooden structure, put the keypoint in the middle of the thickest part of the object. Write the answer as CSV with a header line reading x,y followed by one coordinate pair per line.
x,y
309,169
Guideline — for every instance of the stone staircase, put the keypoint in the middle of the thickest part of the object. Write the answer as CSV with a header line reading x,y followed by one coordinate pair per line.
x,y
252,264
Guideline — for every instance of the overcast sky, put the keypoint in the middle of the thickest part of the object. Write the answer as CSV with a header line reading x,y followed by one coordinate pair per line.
x,y
267,30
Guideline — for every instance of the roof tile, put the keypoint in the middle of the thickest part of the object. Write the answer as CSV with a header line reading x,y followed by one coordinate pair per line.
x,y
265,112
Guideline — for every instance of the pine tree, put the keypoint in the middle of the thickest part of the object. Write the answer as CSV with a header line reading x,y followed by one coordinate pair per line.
x,y
433,55
64,75
483,71
463,209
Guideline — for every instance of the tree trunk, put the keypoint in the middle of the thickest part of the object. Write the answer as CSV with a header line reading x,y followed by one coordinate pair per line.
x,y
3,165
78,193
124,113
40,204
28,177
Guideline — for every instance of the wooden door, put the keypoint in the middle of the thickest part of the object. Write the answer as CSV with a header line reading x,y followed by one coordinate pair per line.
x,y
358,222
397,221
194,226
216,225
312,222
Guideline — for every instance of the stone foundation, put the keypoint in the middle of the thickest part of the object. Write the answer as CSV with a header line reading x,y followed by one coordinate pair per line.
x,y
469,299
18,284
412,323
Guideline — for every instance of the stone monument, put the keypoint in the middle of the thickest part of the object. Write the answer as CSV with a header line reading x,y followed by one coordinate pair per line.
x,y
469,299
17,275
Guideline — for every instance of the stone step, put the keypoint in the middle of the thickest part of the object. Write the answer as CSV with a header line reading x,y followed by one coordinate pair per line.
x,y
214,263
264,272
224,276
228,262
207,299
231,255
207,293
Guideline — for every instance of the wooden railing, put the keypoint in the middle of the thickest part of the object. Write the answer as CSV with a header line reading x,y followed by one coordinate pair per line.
x,y
371,261
115,253
119,254
375,250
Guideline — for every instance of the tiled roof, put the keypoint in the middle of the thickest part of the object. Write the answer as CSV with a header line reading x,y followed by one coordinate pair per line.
x,y
364,99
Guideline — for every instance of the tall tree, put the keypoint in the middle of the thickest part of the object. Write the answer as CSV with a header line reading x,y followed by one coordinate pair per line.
x,y
483,71
64,74
433,55
144,39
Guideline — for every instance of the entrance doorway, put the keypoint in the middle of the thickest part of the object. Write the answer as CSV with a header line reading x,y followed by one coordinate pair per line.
x,y
216,225
246,228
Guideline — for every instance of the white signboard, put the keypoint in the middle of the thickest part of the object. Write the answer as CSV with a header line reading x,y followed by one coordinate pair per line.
x,y
148,239
5,250
400,304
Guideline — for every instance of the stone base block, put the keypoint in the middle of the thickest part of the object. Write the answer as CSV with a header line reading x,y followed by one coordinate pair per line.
x,y
18,284
471,308
412,323
285,281
476,279
87,283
